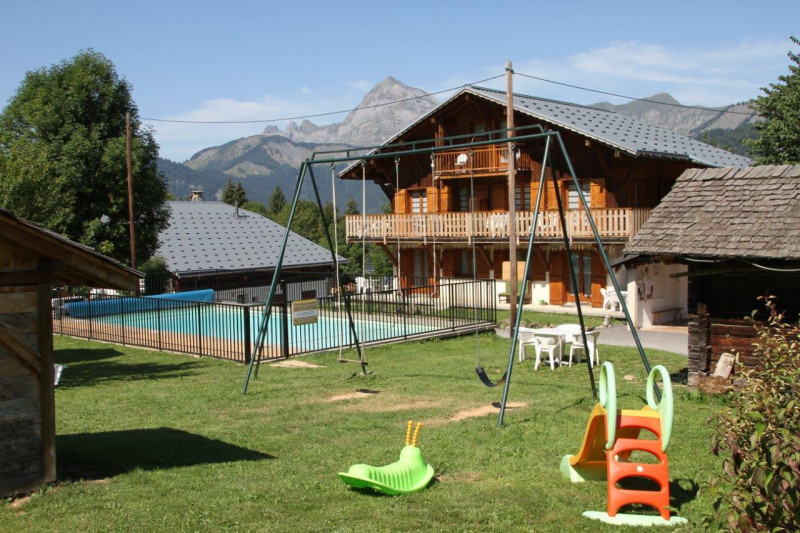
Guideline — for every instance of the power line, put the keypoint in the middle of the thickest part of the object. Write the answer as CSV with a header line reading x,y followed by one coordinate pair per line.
x,y
631,97
318,114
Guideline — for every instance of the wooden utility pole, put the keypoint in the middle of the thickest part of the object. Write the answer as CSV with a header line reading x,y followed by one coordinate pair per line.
x,y
130,188
512,208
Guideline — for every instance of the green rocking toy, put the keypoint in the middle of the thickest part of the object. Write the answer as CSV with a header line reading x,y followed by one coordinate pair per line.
x,y
409,474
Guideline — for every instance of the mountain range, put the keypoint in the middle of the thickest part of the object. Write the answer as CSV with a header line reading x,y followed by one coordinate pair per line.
x,y
272,158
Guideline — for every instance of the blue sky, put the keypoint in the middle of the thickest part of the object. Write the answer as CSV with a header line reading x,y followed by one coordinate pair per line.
x,y
258,60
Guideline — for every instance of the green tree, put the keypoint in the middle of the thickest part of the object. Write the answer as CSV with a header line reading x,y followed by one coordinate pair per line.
x,y
276,201
234,194
63,136
256,207
778,140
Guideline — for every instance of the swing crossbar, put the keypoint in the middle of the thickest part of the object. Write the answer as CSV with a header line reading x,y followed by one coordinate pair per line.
x,y
424,145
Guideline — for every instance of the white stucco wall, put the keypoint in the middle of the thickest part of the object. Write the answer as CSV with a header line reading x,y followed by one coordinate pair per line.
x,y
651,289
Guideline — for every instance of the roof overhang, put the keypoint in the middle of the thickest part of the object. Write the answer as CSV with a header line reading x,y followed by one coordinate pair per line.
x,y
63,260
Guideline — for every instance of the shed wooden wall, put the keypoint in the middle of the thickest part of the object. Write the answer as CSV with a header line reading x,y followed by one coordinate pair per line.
x,y
718,305
27,407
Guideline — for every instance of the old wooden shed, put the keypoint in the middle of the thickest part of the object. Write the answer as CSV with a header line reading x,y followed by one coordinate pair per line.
x,y
32,259
737,231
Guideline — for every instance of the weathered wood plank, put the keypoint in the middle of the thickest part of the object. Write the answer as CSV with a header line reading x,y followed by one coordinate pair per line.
x,y
21,428
10,341
18,387
18,302
11,366
22,323
19,409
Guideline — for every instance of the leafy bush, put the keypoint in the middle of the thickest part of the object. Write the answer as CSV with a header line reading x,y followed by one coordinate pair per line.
x,y
759,437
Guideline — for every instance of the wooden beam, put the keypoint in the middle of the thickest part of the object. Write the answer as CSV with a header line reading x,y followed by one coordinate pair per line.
x,y
485,257
715,271
388,253
601,160
17,347
47,395
26,278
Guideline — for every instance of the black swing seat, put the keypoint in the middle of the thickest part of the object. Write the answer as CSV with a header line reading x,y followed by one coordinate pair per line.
x,y
485,379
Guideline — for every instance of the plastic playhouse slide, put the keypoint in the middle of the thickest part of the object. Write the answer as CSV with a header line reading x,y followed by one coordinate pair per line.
x,y
610,439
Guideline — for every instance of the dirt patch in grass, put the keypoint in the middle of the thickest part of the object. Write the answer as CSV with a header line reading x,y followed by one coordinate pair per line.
x,y
294,363
483,410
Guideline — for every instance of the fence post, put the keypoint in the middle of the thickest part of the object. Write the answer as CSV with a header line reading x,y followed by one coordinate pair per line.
x,y
452,306
285,312
158,317
89,312
199,331
122,314
247,340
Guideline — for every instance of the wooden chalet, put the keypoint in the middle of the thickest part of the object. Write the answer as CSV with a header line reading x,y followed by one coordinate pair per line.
x,y
459,198
735,231
32,259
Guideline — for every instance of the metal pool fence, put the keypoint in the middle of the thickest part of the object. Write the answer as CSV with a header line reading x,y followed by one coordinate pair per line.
x,y
228,330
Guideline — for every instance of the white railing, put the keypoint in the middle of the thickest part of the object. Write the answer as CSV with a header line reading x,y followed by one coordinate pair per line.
x,y
616,223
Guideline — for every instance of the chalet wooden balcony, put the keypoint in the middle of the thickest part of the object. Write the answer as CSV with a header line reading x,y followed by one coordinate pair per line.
x,y
614,225
484,161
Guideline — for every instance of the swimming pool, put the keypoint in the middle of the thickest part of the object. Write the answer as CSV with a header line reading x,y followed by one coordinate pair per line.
x,y
228,322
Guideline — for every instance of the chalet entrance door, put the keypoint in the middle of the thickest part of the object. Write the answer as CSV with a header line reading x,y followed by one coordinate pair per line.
x,y
582,260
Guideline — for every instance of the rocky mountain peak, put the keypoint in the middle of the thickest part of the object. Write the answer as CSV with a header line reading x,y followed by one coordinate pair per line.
x,y
367,124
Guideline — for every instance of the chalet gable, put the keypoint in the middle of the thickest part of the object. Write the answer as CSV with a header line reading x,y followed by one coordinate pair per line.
x,y
614,130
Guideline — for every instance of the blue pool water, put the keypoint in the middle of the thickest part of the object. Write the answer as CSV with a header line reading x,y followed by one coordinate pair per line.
x,y
228,323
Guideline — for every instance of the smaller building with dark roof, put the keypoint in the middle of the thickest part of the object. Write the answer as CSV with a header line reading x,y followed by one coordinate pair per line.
x,y
733,233
217,245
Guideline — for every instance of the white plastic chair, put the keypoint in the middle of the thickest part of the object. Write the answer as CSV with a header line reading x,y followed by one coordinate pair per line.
x,y
543,342
591,339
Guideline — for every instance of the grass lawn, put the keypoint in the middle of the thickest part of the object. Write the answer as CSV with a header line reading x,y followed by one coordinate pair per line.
x,y
151,441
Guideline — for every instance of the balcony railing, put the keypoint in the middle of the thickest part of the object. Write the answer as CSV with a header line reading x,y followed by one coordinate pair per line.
x,y
616,224
485,160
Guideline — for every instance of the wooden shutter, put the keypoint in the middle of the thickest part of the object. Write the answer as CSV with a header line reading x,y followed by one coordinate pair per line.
x,y
557,278
444,199
433,200
598,278
598,193
534,192
400,202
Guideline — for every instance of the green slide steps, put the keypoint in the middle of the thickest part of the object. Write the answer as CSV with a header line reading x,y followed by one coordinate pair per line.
x,y
409,474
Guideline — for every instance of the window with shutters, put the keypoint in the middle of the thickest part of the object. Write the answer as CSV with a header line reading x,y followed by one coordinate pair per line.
x,y
522,197
572,191
419,201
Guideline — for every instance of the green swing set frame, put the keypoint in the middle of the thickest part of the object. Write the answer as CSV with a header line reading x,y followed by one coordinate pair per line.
x,y
432,146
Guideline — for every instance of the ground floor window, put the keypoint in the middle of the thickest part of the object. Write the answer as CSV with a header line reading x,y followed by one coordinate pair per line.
x,y
583,273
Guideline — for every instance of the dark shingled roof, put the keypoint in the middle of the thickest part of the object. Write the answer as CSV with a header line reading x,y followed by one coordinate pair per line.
x,y
747,213
209,236
617,130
